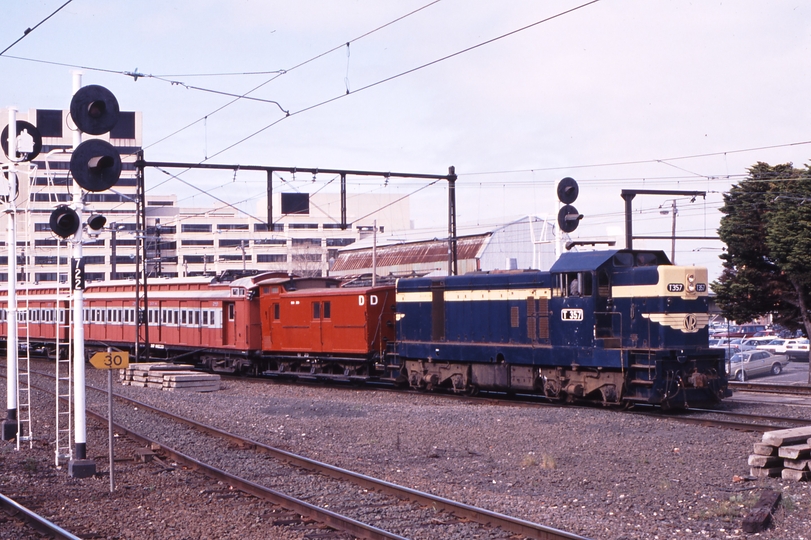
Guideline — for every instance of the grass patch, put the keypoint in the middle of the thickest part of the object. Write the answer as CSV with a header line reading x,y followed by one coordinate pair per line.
x,y
736,506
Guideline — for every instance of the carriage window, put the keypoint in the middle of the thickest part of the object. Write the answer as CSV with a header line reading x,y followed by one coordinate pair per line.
x,y
326,310
316,310
231,312
276,312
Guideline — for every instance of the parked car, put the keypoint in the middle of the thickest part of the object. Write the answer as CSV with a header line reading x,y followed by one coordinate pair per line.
x,y
776,346
746,330
798,351
753,343
727,345
747,364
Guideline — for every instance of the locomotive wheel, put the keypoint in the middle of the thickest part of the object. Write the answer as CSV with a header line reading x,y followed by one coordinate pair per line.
x,y
472,390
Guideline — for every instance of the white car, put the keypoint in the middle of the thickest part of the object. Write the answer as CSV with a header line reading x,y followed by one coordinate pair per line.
x,y
777,346
755,342
747,364
798,351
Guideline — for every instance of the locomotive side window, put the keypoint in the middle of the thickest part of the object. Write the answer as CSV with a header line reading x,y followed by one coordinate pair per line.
x,y
575,284
646,259
624,260
603,284
316,310
231,312
326,310
276,312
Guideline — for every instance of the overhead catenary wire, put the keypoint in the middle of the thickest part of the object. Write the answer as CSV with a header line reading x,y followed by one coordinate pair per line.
x,y
29,30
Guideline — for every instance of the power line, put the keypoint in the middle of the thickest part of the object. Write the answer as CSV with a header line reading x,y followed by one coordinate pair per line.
x,y
29,30
404,73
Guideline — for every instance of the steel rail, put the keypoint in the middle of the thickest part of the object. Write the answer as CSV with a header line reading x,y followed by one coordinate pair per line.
x,y
334,520
709,422
754,417
303,508
35,520
479,515
770,388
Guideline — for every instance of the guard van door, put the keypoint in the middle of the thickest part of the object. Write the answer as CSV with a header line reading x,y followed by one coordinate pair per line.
x,y
229,323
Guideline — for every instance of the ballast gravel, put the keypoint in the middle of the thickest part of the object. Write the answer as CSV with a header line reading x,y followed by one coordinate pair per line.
x,y
599,473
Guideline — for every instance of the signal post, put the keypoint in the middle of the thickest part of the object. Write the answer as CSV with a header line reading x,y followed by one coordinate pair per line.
x,y
21,142
10,423
95,166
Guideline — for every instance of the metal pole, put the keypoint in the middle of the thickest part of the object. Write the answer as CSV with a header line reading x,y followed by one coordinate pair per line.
x,y
110,421
113,273
452,260
343,201
80,466
10,427
629,233
673,246
374,254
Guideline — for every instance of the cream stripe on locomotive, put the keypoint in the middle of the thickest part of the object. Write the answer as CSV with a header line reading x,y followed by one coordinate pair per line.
x,y
475,295
689,323
682,281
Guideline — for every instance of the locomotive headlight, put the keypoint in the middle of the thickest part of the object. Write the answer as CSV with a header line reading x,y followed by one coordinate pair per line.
x,y
691,278
691,288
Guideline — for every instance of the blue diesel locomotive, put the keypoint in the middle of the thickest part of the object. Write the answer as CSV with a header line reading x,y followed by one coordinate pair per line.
x,y
615,327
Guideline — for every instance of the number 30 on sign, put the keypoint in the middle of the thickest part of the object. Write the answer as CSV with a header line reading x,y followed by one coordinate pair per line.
x,y
110,360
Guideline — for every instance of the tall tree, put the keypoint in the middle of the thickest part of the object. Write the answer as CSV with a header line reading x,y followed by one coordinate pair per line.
x,y
767,229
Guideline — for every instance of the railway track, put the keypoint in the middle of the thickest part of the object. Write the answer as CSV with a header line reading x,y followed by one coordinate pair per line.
x,y
434,513
769,388
34,520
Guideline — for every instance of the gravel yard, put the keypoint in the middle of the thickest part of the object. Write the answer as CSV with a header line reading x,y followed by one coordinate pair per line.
x,y
599,473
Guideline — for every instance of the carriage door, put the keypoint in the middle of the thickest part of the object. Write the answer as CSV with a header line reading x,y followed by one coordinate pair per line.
x,y
607,323
229,323
438,311
316,326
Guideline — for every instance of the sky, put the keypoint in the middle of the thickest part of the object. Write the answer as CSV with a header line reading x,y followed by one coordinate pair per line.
x,y
516,95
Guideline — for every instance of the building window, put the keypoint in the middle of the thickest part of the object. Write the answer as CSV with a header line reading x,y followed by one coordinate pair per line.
x,y
340,241
234,243
304,225
270,242
263,227
125,127
198,259
195,228
232,226
271,258
306,241
197,242
49,122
